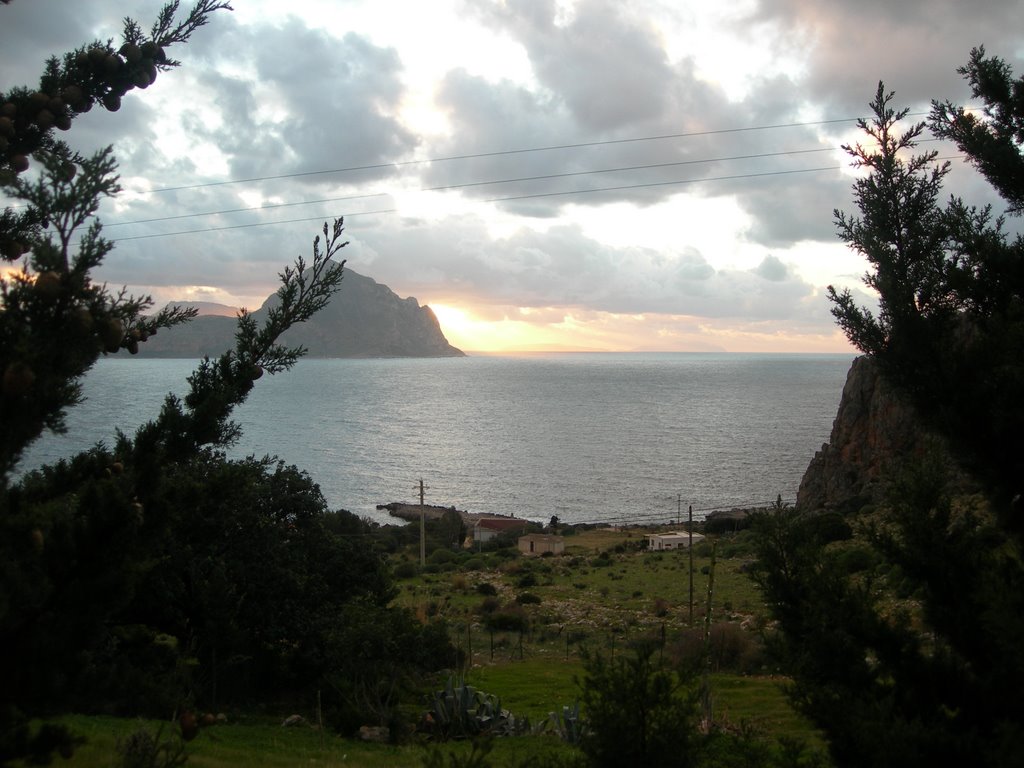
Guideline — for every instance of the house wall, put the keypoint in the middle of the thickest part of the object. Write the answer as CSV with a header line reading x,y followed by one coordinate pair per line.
x,y
538,545
659,542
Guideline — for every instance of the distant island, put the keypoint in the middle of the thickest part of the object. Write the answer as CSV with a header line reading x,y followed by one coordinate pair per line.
x,y
364,319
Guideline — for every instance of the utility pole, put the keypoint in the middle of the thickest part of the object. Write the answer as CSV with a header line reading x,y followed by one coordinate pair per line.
x,y
691,564
705,684
423,527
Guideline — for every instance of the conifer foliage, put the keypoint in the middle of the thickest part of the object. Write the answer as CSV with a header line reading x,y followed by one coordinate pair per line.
x,y
81,593
903,635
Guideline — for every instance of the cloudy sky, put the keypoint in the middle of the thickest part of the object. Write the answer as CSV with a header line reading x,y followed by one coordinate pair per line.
x,y
545,174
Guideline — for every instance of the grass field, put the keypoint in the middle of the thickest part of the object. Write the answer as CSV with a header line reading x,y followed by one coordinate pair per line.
x,y
265,744
600,595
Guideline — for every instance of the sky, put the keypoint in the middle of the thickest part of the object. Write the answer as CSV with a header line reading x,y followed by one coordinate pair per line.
x,y
545,175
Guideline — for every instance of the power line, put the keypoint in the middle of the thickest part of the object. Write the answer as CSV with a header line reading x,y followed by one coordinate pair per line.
x,y
497,200
517,151
247,226
269,206
509,198
465,185
489,182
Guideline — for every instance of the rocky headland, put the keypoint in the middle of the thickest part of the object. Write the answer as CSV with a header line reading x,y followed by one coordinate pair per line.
x,y
364,319
874,432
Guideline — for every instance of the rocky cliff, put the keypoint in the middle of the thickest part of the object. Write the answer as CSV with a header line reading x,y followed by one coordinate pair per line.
x,y
873,431
364,319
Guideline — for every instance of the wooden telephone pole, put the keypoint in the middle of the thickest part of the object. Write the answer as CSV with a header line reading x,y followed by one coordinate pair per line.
x,y
691,564
423,529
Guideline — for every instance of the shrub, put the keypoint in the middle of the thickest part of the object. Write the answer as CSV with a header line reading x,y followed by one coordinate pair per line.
x,y
461,711
661,606
637,711
486,588
507,619
442,556
855,559
603,560
488,606
527,580
406,570
731,648
528,598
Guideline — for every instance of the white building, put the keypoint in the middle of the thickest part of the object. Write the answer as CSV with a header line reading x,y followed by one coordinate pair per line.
x,y
541,543
673,540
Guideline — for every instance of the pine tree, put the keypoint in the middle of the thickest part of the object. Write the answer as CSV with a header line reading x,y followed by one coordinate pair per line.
x,y
903,639
72,537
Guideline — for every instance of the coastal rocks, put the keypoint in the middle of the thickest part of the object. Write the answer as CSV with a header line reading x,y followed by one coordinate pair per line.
x,y
874,430
411,512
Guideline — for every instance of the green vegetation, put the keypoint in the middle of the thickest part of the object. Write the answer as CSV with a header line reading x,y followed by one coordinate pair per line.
x,y
154,577
903,633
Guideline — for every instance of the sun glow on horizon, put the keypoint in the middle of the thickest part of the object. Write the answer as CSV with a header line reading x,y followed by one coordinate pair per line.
x,y
466,330
520,330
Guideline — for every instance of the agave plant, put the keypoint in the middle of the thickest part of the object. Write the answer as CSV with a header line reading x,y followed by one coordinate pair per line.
x,y
461,711
566,724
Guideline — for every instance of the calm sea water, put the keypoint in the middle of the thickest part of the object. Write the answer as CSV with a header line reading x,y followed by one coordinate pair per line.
x,y
588,437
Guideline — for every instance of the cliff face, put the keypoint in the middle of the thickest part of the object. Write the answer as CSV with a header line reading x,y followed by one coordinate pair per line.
x,y
873,430
367,319
364,319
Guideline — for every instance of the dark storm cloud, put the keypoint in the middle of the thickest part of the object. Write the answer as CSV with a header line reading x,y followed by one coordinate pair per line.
x,y
601,64
33,30
914,46
294,99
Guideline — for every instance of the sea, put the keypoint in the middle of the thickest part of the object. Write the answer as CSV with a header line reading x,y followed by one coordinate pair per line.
x,y
616,438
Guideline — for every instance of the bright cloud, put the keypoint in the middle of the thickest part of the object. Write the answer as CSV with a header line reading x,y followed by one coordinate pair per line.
x,y
573,174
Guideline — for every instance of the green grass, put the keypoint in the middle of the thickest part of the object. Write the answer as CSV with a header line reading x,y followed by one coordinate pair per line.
x,y
585,600
530,688
266,744
761,702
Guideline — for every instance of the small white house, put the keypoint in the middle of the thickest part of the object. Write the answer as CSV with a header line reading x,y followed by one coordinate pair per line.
x,y
674,540
539,543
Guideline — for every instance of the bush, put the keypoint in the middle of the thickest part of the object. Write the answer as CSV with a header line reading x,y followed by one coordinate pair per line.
x,y
528,598
442,556
510,618
488,606
486,588
406,570
637,711
856,559
527,580
603,560
731,648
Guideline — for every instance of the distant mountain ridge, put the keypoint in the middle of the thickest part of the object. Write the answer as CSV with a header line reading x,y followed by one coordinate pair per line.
x,y
363,319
